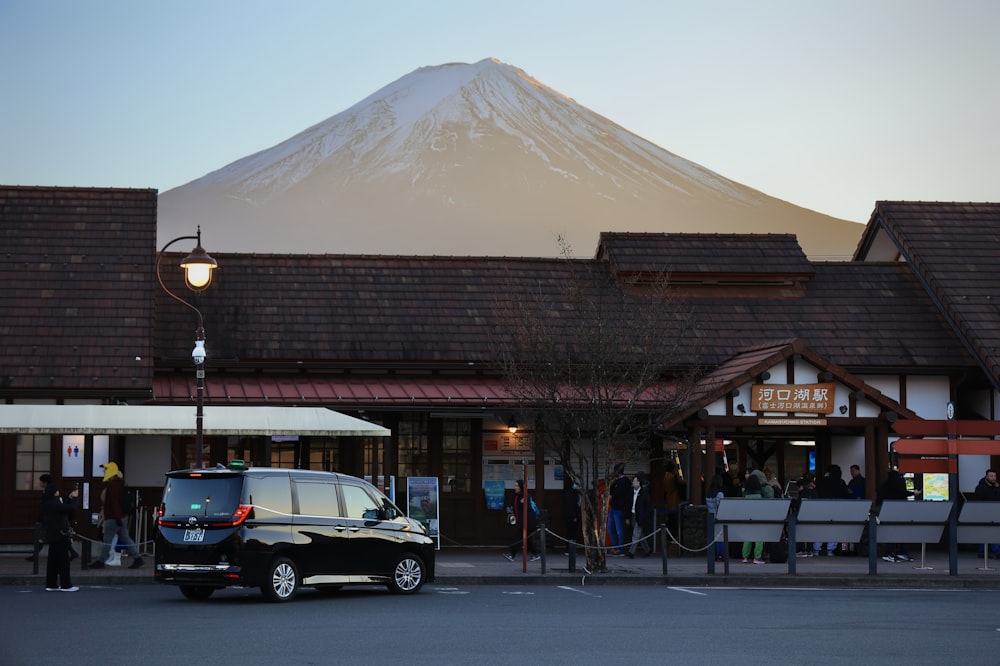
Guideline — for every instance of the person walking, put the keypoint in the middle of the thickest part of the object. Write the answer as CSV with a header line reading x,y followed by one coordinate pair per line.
x,y
56,523
640,516
115,518
532,518
621,504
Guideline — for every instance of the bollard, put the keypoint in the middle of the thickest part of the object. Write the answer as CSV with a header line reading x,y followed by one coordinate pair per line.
x,y
710,537
663,531
572,556
872,544
792,516
541,547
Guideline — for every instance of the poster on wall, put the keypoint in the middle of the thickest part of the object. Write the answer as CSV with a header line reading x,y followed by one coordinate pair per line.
x,y
422,503
494,494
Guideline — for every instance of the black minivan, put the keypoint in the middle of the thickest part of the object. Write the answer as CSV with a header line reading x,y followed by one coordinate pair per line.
x,y
282,529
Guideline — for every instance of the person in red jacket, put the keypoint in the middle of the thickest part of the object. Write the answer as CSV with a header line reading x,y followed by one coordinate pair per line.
x,y
115,518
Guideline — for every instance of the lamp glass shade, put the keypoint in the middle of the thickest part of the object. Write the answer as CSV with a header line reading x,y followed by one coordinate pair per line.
x,y
198,267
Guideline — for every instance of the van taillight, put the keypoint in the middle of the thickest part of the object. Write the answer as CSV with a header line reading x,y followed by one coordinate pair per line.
x,y
241,513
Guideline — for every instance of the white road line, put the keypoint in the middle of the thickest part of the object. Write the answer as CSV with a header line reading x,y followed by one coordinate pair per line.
x,y
573,589
684,589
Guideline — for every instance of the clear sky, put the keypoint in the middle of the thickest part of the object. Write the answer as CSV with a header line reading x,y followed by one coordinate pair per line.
x,y
828,104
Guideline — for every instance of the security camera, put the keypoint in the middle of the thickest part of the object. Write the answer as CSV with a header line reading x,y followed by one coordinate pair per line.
x,y
198,353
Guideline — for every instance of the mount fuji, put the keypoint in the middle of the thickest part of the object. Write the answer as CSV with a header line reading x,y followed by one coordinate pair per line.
x,y
472,159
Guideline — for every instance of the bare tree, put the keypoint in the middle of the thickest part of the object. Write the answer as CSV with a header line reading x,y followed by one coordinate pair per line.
x,y
595,361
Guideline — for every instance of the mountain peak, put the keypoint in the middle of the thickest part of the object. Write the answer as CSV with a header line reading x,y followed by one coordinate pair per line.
x,y
449,157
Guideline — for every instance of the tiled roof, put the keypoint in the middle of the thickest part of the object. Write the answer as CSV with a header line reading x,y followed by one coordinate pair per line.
x,y
406,311
954,249
76,291
746,255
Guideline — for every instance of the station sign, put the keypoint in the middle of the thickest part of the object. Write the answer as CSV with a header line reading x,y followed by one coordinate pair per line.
x,y
803,398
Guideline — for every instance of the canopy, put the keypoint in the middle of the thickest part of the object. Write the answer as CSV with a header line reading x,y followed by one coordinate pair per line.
x,y
180,420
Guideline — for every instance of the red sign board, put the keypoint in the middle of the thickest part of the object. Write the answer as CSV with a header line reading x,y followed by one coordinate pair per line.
x,y
931,428
944,447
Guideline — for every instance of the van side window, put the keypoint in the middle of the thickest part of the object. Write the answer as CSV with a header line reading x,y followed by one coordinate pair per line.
x,y
318,499
359,504
269,494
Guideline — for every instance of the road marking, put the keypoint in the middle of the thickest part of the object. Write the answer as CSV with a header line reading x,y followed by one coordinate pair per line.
x,y
449,590
684,589
573,589
524,593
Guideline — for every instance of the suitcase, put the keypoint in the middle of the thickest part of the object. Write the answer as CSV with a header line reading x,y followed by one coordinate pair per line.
x,y
778,551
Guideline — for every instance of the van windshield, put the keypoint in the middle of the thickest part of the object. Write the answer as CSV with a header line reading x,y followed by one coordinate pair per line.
x,y
211,498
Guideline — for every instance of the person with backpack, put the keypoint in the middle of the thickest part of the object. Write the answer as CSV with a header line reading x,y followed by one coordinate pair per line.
x,y
115,512
533,513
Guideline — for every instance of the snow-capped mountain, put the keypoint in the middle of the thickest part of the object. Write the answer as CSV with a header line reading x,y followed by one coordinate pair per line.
x,y
476,159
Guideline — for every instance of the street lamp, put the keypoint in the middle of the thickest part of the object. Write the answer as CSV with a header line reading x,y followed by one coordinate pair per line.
x,y
198,267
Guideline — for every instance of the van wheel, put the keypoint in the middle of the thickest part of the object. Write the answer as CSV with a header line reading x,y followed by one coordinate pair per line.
x,y
197,592
281,582
407,575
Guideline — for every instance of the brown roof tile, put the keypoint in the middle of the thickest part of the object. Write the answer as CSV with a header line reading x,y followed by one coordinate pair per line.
x,y
954,250
76,292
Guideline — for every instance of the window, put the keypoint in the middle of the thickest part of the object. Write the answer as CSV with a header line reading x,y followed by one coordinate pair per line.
x,y
318,499
33,458
413,457
359,503
324,453
283,454
456,456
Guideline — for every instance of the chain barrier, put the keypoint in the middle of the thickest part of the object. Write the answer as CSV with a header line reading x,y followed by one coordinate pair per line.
x,y
648,537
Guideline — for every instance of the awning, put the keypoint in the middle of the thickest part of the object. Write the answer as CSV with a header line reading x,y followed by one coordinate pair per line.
x,y
390,390
180,420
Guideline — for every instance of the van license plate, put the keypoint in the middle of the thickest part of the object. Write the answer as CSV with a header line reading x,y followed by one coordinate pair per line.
x,y
196,535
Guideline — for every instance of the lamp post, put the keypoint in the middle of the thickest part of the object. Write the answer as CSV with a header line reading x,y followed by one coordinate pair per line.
x,y
198,267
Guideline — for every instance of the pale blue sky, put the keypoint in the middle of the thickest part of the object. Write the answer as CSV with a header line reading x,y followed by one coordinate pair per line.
x,y
828,104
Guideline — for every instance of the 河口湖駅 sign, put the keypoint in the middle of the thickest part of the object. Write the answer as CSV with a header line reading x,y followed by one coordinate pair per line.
x,y
809,398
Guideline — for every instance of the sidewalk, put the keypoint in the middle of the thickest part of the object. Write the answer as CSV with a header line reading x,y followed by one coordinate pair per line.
x,y
487,566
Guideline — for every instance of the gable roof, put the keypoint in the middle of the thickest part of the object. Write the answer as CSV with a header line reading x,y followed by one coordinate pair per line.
x,y
77,294
954,251
744,367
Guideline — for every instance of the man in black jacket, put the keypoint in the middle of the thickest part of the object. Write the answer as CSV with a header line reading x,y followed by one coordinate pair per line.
x,y
988,490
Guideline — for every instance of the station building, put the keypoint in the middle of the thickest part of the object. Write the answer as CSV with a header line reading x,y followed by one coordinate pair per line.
x,y
384,366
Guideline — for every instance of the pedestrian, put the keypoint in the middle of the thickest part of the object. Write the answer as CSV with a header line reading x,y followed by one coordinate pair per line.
x,y
58,534
571,510
672,485
894,488
806,491
115,518
856,485
621,504
640,516
39,538
532,518
988,490
774,483
716,491
752,489
831,486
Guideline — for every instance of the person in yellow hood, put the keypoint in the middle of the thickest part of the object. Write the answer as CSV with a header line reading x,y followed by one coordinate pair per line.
x,y
115,518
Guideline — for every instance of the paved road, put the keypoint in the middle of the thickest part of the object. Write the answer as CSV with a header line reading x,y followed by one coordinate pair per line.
x,y
503,624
